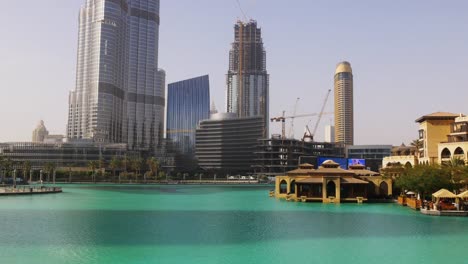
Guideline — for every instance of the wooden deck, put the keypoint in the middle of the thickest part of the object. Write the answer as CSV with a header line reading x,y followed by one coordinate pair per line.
x,y
28,190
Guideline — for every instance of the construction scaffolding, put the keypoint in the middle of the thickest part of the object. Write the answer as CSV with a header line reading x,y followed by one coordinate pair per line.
x,y
277,155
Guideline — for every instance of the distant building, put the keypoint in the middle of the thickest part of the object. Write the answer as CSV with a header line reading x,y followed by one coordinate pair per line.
x,y
331,184
247,78
401,156
225,144
329,134
276,156
456,145
442,135
344,109
433,129
62,155
373,154
40,132
188,103
54,139
118,96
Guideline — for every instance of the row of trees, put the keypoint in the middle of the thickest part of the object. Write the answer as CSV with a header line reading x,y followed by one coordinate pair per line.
x,y
125,166
427,179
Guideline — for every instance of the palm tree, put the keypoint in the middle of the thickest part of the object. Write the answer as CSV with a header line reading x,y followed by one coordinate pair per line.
x,y
93,165
417,144
8,165
70,166
115,164
26,169
49,168
2,167
126,163
153,165
136,165
457,169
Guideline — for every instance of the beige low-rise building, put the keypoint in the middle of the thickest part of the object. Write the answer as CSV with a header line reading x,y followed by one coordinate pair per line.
x,y
433,129
331,184
401,156
456,145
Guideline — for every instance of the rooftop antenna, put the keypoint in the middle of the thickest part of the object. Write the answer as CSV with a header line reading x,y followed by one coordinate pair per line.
x,y
242,11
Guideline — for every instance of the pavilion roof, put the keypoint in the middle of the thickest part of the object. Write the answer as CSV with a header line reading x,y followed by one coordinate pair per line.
x,y
443,193
463,195
352,181
310,180
360,170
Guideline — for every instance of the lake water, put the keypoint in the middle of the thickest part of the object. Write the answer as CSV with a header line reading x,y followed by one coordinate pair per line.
x,y
218,224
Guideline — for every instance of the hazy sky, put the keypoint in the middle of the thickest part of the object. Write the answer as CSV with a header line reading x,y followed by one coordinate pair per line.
x,y
409,58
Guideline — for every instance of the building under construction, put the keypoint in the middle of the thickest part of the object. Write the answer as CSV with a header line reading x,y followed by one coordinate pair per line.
x,y
277,155
247,78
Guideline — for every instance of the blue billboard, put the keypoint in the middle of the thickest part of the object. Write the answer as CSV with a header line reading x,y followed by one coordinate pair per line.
x,y
354,162
342,161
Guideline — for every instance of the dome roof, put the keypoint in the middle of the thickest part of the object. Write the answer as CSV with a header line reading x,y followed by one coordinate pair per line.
x,y
41,126
343,67
330,164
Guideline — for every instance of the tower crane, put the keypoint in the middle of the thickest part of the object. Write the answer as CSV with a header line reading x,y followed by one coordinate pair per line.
x,y
291,129
311,135
283,118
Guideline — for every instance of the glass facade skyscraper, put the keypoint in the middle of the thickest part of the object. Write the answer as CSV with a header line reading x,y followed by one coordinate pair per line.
x,y
188,103
119,97
247,78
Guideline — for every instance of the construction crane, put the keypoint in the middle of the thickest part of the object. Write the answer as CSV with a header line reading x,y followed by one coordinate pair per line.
x,y
312,134
291,129
283,118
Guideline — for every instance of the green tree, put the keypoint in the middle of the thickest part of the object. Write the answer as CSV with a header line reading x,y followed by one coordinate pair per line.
x,y
161,175
417,144
153,166
457,169
115,164
49,168
425,179
93,165
70,167
126,163
2,167
26,169
136,164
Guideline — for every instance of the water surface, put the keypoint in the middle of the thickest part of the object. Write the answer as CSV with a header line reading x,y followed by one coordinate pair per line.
x,y
217,224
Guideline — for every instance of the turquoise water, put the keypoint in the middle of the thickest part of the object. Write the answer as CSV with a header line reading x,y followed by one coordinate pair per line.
x,y
218,224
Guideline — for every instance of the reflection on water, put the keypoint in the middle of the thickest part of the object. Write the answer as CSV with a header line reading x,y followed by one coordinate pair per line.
x,y
231,224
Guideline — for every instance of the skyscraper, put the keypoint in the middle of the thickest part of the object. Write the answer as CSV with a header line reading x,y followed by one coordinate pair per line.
x,y
188,102
118,98
344,113
247,78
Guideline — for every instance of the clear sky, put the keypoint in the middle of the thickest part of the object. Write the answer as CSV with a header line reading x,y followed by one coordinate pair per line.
x,y
409,58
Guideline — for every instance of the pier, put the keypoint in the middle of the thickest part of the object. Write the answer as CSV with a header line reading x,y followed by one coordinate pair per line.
x,y
28,190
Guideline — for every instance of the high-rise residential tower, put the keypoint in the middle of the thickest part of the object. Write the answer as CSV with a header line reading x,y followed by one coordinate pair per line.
x,y
247,78
188,103
118,96
344,113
